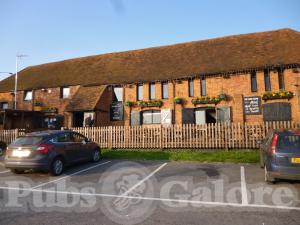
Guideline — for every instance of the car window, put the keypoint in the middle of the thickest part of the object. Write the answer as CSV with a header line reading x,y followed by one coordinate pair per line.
x,y
288,143
65,137
27,140
78,137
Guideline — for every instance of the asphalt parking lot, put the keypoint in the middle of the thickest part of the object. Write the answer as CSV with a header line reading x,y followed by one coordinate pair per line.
x,y
148,192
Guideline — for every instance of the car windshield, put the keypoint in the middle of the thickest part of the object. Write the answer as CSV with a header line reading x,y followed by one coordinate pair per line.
x,y
289,143
27,140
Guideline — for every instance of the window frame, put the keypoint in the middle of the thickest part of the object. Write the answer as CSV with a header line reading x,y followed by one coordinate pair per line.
x,y
165,93
150,112
253,81
25,95
140,92
62,92
191,87
114,96
203,86
267,80
281,83
152,91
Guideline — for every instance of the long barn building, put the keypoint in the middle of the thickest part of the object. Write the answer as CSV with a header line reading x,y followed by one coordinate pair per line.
x,y
242,78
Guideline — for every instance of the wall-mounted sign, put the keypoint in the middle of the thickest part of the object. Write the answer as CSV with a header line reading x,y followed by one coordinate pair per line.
x,y
252,105
116,111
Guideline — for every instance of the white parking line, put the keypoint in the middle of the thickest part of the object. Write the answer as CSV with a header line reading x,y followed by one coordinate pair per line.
x,y
221,204
243,187
64,177
5,171
143,180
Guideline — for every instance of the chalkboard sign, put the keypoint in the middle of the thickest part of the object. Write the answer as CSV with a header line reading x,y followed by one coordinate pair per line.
x,y
252,105
116,111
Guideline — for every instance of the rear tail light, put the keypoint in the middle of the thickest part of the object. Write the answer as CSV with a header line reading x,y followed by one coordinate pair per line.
x,y
272,150
44,148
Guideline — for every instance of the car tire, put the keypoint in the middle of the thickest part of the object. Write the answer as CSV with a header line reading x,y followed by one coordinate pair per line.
x,y
57,166
268,178
96,155
17,171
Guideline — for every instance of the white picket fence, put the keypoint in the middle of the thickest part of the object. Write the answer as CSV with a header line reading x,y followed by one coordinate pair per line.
x,y
8,136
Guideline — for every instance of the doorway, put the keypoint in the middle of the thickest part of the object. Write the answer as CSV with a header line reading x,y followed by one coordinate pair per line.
x,y
78,118
205,115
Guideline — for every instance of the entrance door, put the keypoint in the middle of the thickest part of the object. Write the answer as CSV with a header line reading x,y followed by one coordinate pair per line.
x,y
78,119
200,116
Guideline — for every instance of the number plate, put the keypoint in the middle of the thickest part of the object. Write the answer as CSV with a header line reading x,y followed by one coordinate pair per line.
x,y
295,160
20,154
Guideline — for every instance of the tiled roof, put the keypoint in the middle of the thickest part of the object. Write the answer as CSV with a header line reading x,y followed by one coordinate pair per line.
x,y
85,99
204,57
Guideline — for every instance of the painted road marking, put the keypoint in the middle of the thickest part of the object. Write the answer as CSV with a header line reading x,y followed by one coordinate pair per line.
x,y
143,180
64,177
243,187
155,199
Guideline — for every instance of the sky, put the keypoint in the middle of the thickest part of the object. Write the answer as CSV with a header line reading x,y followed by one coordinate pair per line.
x,y
53,30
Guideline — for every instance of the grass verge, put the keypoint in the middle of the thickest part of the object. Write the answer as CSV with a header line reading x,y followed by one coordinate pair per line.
x,y
232,156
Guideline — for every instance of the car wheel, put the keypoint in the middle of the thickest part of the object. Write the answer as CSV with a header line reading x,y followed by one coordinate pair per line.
x,y
96,155
57,166
17,171
268,178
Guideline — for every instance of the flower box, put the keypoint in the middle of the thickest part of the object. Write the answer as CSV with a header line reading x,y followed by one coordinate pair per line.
x,y
206,100
129,103
277,95
37,108
178,100
151,103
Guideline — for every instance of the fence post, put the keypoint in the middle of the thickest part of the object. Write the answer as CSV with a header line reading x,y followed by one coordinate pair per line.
x,y
224,131
110,138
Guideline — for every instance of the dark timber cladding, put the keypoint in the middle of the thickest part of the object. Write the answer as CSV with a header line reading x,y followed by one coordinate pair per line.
x,y
208,57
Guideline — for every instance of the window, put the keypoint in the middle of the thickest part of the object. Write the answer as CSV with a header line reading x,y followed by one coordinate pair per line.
x,y
78,138
117,94
191,87
277,111
64,92
253,82
140,90
203,86
165,94
152,91
65,137
27,95
29,140
4,105
151,117
281,79
267,80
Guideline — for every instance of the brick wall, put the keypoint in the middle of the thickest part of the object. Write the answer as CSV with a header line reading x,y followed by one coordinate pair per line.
x,y
235,86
